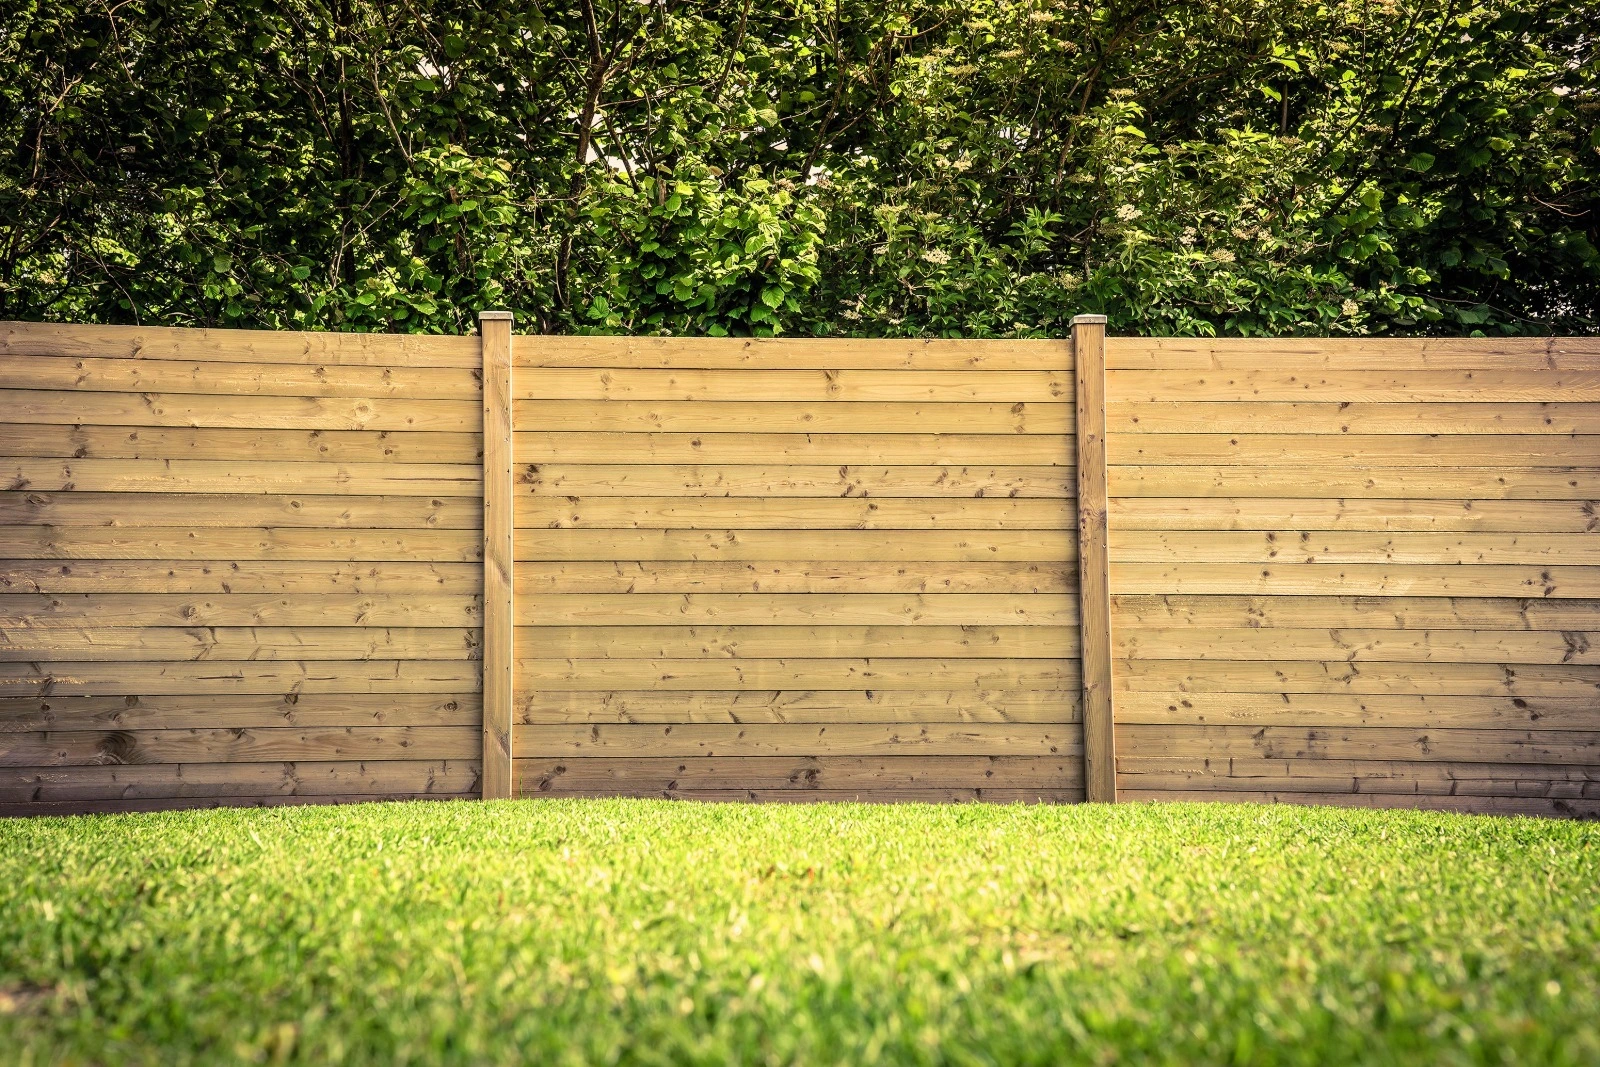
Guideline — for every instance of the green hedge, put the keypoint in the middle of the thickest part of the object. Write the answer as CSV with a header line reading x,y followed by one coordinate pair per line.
x,y
947,167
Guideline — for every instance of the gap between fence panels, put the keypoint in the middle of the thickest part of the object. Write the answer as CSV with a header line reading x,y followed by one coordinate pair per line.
x,y
262,568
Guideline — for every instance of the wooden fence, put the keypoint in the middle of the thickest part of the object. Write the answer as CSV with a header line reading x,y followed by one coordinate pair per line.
x,y
265,567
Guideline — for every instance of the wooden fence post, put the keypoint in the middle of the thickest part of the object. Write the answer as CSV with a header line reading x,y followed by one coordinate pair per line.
x,y
498,621
1099,743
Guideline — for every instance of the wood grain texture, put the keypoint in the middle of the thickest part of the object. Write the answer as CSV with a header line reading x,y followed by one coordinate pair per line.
x,y
1375,612
848,576
839,416
1321,417
852,449
174,576
597,481
1420,515
184,711
1099,714
798,705
188,443
777,642
306,779
821,547
230,346
878,775
796,386
1351,354
499,612
793,353
758,609
771,513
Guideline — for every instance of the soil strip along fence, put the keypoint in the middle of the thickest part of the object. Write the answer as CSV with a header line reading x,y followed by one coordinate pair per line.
x,y
241,567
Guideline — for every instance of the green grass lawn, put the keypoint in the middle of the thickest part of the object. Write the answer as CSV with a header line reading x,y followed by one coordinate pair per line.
x,y
661,932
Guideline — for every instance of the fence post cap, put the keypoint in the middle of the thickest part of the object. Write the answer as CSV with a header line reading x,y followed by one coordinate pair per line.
x,y
494,316
1088,320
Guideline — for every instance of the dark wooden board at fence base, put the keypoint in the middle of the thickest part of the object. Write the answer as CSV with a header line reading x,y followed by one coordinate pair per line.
x,y
278,568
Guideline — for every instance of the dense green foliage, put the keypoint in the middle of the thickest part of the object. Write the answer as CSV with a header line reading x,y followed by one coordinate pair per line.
x,y
961,167
654,932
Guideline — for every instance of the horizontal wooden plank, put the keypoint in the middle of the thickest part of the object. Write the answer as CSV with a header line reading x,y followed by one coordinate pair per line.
x,y
793,795
135,782
1340,709
78,508
803,386
1359,451
1367,679
1398,776
1356,579
65,407
1380,612
794,739
121,678
1330,547
1359,482
599,676
185,711
222,643
731,576
1466,805
834,546
1277,513
545,775
816,706
190,443
1360,742
240,346
182,476
774,513
55,611
853,449
593,481
1320,354
66,748
228,576
1480,386
793,353
95,807
1318,417
123,375
766,609
785,642
1359,645
1363,784
756,416
238,543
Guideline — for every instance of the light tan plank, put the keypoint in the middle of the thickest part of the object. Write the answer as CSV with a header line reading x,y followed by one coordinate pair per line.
x,y
835,546
1352,777
790,739
1309,417
803,386
310,780
499,616
93,807
1482,386
533,578
123,375
786,642
796,353
1365,743
1368,679
226,576
599,676
237,711
1319,354
232,346
767,609
775,482
1360,645
1338,709
187,443
120,678
1356,579
67,748
78,508
184,476
223,643
77,610
753,416
853,449
1360,482
776,513
1467,805
1382,612
1358,450
687,774
824,706
1233,513
244,543
1329,547
65,407
1088,343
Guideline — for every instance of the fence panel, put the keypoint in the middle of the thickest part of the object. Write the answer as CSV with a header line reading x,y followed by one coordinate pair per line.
x,y
1357,572
796,569
237,567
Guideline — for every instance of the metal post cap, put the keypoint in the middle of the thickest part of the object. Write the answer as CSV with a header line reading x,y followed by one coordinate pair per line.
x,y
1088,320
